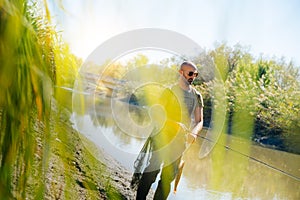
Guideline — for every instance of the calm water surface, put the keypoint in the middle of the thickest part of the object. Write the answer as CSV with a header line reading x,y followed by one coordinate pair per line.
x,y
242,171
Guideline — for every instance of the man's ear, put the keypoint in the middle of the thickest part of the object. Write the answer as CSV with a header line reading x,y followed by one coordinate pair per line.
x,y
180,71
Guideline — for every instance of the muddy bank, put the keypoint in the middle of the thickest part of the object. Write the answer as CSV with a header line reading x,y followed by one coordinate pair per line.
x,y
74,173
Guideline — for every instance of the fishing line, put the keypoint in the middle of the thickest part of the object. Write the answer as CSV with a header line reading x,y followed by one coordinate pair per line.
x,y
252,158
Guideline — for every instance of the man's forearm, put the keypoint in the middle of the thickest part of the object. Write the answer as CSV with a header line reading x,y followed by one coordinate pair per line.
x,y
197,128
191,137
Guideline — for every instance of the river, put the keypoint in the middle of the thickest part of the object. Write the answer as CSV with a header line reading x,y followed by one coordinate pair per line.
x,y
234,169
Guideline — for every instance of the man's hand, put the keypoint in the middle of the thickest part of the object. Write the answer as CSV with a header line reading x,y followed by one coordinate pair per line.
x,y
190,138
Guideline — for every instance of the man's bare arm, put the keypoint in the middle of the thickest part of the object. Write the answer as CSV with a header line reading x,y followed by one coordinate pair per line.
x,y
198,124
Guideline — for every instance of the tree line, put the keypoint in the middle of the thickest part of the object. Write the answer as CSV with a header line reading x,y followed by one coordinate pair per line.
x,y
266,90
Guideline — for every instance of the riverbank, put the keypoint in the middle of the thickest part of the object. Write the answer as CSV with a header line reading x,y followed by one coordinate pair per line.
x,y
72,171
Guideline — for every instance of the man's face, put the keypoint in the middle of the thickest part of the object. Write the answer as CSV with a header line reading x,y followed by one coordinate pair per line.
x,y
189,73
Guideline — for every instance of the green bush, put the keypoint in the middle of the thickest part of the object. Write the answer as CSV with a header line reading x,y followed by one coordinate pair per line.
x,y
266,91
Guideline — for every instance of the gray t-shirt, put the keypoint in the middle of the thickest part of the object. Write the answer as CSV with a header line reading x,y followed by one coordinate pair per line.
x,y
192,98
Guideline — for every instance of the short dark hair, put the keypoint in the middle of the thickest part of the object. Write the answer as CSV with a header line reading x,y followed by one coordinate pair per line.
x,y
189,63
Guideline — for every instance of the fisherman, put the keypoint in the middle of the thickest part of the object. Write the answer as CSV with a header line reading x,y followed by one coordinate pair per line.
x,y
183,108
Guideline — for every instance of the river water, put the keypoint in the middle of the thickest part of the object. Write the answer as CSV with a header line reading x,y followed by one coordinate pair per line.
x,y
234,169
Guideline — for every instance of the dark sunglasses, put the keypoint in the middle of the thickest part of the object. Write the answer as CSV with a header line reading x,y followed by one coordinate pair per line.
x,y
193,73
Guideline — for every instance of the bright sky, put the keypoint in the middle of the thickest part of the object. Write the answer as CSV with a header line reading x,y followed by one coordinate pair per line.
x,y
270,27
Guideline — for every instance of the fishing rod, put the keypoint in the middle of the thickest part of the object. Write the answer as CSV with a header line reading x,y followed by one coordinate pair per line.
x,y
249,157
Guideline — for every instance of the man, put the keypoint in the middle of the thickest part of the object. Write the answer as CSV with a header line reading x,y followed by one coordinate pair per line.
x,y
183,108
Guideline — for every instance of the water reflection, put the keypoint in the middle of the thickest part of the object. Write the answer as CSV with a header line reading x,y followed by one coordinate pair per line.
x,y
223,174
246,178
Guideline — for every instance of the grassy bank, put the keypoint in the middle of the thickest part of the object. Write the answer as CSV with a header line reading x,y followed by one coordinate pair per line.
x,y
70,170
63,168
